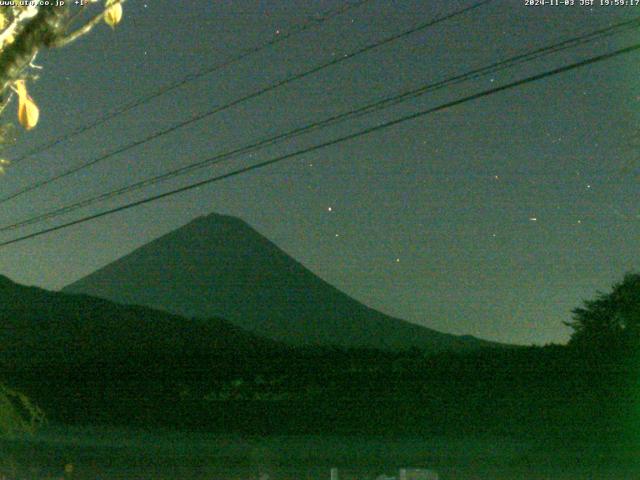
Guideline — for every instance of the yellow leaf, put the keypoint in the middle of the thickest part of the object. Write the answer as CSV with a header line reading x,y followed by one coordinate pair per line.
x,y
8,41
28,112
113,15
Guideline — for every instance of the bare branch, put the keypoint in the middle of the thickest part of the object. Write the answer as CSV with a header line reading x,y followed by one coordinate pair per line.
x,y
5,103
73,36
86,28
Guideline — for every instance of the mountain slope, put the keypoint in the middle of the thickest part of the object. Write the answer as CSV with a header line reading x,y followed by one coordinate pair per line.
x,y
89,360
45,328
219,266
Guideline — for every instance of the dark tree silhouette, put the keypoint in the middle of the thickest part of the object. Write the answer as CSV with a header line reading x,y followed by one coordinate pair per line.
x,y
612,320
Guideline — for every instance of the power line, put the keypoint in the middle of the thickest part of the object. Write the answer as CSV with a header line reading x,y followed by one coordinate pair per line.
x,y
245,98
367,109
324,17
335,141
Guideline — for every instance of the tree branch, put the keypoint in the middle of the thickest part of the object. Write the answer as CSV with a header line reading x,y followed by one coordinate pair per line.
x,y
40,31
10,30
86,28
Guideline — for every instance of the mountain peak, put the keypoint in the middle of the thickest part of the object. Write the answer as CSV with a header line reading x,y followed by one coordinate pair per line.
x,y
213,221
219,266
217,218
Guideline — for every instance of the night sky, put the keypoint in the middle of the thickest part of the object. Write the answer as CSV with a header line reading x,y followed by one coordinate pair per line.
x,y
493,218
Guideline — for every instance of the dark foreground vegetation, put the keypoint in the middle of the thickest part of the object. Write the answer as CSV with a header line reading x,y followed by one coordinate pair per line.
x,y
115,373
553,392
